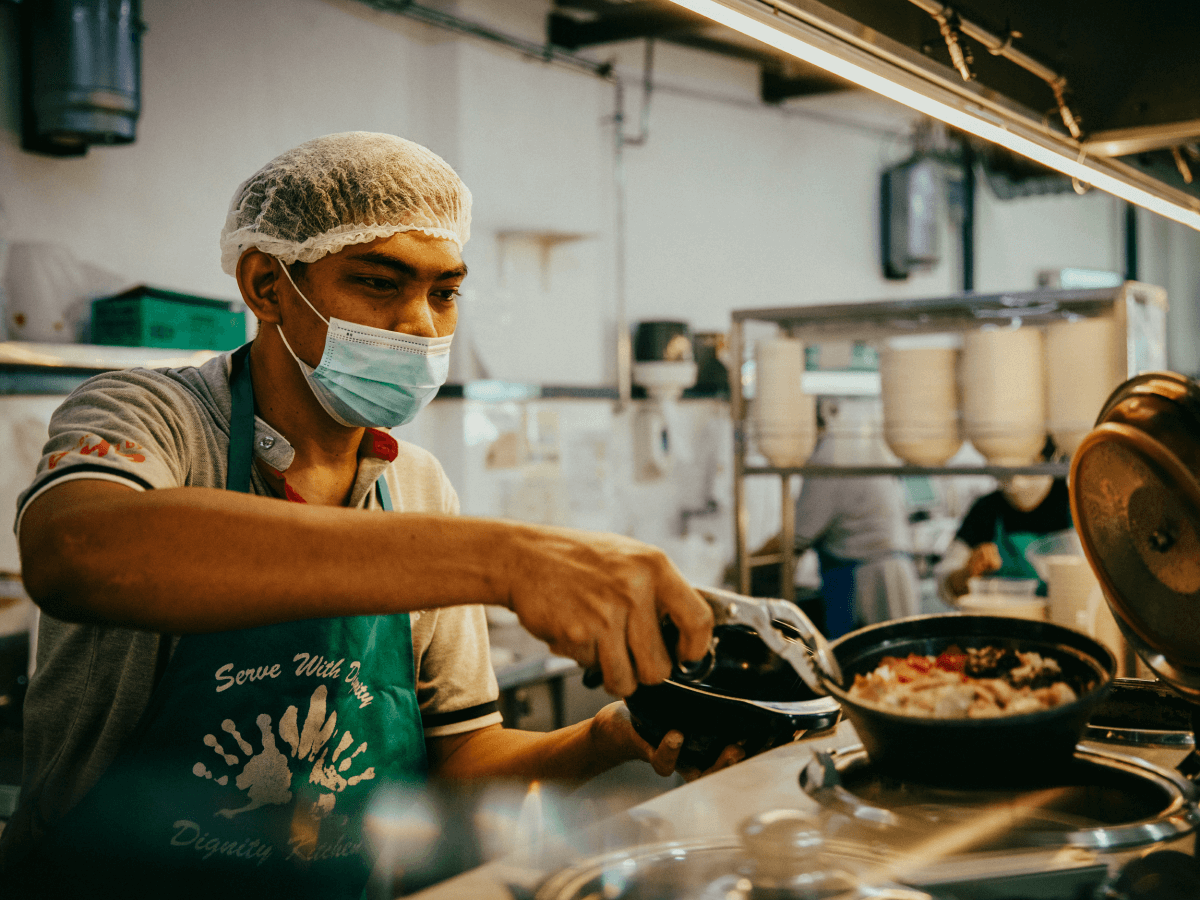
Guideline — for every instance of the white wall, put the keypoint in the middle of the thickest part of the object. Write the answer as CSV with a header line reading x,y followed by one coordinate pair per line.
x,y
1170,256
730,204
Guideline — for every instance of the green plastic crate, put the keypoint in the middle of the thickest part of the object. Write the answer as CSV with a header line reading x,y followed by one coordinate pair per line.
x,y
151,317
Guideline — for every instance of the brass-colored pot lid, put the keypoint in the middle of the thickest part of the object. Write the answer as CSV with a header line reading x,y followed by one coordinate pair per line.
x,y
1135,498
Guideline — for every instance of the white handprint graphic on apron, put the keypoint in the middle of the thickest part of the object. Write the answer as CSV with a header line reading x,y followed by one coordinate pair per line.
x,y
266,776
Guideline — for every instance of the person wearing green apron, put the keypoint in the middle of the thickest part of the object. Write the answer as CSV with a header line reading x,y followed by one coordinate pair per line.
x,y
999,527
276,810
237,648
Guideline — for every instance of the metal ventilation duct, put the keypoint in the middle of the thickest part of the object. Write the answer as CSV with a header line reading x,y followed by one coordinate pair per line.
x,y
80,74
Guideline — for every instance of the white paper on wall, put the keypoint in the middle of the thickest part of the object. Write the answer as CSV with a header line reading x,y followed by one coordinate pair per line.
x,y
23,424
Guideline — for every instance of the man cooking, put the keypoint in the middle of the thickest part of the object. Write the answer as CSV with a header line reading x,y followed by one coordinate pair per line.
x,y
236,644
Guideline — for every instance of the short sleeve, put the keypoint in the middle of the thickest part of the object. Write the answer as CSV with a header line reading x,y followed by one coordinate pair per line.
x,y
125,427
418,483
456,686
979,525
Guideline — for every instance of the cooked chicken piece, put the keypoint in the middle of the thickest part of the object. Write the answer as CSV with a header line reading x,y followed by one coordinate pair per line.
x,y
952,685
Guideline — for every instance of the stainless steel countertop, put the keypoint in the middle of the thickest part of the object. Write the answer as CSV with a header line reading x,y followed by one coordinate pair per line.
x,y
708,807
712,807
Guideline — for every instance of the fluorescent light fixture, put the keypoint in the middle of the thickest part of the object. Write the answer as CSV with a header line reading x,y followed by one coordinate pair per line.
x,y
778,27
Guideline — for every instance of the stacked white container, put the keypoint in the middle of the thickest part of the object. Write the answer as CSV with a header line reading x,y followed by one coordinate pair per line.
x,y
919,389
1084,363
1003,396
784,417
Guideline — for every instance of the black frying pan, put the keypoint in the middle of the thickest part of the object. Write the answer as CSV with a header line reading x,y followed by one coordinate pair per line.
x,y
751,696
1024,749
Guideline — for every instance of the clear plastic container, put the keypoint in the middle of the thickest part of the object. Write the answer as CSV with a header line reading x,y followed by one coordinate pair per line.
x,y
1044,550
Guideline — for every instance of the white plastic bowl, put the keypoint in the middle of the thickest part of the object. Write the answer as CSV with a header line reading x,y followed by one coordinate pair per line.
x,y
1041,551
984,586
1001,605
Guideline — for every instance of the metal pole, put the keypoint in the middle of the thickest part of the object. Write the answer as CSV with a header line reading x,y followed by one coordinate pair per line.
x,y
621,141
787,541
968,219
737,412
624,341
1131,243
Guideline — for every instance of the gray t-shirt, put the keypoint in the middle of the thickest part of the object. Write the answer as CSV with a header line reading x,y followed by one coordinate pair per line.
x,y
167,428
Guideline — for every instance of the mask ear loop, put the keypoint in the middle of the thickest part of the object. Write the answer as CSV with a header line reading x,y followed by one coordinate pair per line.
x,y
283,337
300,293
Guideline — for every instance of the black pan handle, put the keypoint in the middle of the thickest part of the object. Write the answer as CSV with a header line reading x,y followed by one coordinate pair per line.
x,y
593,677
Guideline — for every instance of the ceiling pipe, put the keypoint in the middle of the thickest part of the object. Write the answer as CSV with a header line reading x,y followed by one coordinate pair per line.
x,y
952,24
1144,138
621,141
1185,171
449,22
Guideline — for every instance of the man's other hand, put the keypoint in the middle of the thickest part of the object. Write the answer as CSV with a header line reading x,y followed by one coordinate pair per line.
x,y
614,728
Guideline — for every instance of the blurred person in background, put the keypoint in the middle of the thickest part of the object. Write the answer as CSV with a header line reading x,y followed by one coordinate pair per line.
x,y
858,526
1000,526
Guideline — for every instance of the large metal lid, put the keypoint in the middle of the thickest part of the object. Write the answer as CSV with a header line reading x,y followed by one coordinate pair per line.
x,y
1135,498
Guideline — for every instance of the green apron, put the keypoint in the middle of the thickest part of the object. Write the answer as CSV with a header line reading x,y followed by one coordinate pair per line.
x,y
253,763
1013,562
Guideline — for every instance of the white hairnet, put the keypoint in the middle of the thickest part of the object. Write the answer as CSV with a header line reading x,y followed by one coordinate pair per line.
x,y
344,189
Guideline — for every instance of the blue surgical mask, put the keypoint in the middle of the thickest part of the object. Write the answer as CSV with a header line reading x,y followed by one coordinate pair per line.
x,y
371,377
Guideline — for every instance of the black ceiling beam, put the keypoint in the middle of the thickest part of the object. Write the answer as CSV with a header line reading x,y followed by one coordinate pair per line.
x,y
630,21
599,7
775,87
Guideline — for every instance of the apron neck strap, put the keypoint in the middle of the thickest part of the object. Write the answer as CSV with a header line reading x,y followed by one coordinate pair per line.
x,y
241,422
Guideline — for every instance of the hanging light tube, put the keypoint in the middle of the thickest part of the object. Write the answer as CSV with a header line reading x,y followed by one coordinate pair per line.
x,y
774,27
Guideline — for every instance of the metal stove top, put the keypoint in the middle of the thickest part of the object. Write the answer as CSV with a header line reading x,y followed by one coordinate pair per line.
x,y
1104,800
1071,839
1124,803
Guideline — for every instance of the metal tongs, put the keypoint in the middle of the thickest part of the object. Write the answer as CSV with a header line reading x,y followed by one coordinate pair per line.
x,y
761,615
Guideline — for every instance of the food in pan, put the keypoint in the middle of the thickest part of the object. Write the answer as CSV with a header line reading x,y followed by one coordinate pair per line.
x,y
975,683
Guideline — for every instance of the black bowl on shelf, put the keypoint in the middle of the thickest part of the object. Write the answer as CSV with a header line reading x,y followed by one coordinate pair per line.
x,y
662,341
752,696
